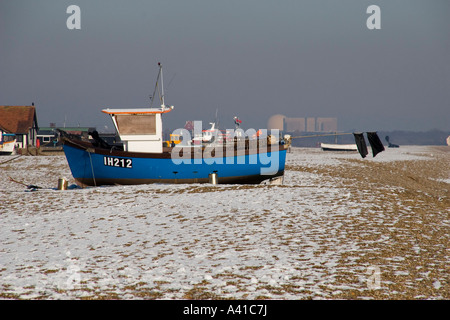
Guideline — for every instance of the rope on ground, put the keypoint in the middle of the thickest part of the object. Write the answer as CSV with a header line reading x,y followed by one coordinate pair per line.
x,y
11,159
31,186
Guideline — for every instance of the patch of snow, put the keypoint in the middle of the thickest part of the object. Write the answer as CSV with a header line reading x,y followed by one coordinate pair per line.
x,y
236,241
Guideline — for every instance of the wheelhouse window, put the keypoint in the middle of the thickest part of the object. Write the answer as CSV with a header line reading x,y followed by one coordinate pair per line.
x,y
8,137
136,124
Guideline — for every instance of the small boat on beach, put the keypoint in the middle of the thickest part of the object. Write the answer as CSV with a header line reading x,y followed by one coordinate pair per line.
x,y
338,147
145,158
7,143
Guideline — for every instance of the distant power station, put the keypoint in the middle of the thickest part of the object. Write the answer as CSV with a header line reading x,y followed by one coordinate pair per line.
x,y
286,124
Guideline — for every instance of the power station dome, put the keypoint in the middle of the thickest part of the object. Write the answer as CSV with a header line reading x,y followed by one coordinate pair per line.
x,y
276,122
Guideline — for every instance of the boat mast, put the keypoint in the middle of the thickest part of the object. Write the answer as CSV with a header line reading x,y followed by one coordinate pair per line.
x,y
162,85
160,93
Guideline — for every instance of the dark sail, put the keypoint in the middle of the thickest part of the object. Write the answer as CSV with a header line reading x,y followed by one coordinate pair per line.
x,y
361,144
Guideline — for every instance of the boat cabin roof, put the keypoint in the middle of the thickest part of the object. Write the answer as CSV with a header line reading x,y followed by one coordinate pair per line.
x,y
137,111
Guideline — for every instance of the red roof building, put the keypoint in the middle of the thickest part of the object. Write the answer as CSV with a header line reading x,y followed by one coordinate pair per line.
x,y
22,121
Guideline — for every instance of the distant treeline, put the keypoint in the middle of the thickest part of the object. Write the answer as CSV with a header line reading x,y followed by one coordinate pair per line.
x,y
432,137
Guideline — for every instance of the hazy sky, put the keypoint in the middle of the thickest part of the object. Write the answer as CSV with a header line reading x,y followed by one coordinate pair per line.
x,y
249,58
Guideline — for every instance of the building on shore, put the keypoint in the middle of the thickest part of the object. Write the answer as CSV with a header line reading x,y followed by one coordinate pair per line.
x,y
48,136
21,121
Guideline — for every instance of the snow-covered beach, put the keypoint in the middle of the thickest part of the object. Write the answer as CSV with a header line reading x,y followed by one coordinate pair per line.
x,y
340,227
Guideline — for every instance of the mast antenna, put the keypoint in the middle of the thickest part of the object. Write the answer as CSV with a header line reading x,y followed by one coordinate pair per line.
x,y
160,91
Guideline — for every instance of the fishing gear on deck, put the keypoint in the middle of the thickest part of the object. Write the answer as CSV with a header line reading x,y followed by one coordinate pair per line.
x,y
99,142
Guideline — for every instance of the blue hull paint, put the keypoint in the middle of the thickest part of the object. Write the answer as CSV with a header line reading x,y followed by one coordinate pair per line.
x,y
94,168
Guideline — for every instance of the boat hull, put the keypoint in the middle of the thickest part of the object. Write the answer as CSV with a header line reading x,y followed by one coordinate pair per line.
x,y
94,166
338,147
7,148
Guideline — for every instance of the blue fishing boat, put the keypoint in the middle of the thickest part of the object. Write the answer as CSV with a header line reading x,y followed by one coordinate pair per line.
x,y
144,158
